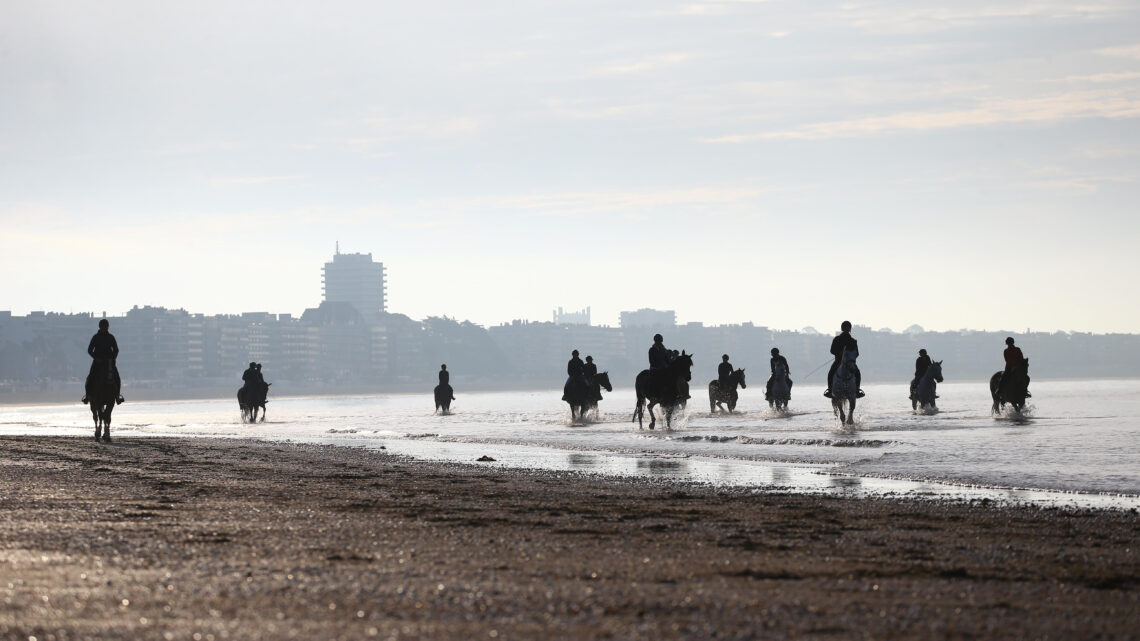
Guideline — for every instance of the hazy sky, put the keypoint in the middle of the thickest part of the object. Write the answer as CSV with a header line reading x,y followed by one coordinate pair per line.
x,y
953,164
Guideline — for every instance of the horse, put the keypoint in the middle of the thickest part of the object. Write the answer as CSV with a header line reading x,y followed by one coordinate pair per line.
x,y
922,391
728,396
444,394
1013,391
781,391
582,399
843,387
249,400
662,387
102,391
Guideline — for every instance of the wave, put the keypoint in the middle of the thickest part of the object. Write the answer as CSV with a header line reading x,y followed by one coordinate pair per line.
x,y
810,442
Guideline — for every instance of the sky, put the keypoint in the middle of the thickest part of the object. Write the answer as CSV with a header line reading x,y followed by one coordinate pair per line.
x,y
958,164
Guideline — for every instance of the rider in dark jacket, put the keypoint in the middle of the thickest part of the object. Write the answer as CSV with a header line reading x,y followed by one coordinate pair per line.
x,y
590,370
445,380
252,377
574,369
777,359
921,364
658,354
724,373
1013,356
840,344
103,348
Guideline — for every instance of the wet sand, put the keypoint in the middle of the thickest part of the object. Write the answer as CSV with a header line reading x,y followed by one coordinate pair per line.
x,y
151,538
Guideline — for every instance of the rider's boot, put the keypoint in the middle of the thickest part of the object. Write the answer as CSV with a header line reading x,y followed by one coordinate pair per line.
x,y
861,394
120,400
827,393
84,399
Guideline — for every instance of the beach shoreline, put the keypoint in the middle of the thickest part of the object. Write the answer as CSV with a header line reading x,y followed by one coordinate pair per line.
x,y
221,538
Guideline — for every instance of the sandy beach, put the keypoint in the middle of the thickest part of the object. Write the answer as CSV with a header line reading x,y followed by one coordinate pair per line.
x,y
155,538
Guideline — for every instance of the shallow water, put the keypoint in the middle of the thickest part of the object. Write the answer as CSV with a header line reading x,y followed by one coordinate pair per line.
x,y
1074,444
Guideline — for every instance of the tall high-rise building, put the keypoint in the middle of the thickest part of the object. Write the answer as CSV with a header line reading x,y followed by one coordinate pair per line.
x,y
356,279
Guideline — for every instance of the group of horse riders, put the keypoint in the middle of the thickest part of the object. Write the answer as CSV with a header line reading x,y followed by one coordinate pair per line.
x,y
841,345
581,373
104,350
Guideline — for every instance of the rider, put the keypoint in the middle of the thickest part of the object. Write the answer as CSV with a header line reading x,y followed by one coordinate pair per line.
x,y
102,348
445,379
1013,356
658,353
252,377
574,371
590,370
777,359
724,373
921,364
840,344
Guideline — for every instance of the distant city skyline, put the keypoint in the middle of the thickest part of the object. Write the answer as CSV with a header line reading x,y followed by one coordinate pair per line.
x,y
968,164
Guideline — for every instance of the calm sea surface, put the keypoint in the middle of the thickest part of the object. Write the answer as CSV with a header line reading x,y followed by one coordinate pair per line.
x,y
1077,442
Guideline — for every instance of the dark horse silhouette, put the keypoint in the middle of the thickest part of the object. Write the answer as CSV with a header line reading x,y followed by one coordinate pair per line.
x,y
583,398
102,390
726,396
843,388
663,389
250,399
443,397
1013,391
923,392
781,388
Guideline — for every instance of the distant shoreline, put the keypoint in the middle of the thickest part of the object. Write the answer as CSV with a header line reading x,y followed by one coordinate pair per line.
x,y
69,393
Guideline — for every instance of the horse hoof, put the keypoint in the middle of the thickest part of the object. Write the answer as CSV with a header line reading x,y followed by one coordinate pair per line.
x,y
106,439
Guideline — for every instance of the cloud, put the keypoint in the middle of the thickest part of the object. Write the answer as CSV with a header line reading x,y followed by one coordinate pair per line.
x,y
916,18
648,63
251,180
1100,78
1068,106
1129,51
585,203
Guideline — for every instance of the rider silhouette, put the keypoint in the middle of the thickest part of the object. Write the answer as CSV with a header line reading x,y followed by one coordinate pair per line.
x,y
839,344
921,364
102,348
252,377
659,355
590,370
445,379
777,359
1013,357
724,373
574,372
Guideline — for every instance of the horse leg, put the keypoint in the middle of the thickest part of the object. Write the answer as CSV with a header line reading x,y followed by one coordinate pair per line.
x,y
652,416
95,418
851,413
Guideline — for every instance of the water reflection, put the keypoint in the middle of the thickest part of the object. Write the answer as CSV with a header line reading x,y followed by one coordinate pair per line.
x,y
582,461
846,482
659,466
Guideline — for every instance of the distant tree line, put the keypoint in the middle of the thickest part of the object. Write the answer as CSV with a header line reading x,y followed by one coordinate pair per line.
x,y
333,345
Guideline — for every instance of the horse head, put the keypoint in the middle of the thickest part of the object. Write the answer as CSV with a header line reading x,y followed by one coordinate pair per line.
x,y
936,370
683,361
603,379
739,375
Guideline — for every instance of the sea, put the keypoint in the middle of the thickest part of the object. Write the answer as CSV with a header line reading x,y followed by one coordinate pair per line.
x,y
1074,445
